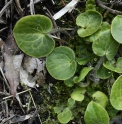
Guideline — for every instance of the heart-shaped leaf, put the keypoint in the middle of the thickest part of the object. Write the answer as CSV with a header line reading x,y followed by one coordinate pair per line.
x,y
105,45
30,33
58,109
65,116
100,98
89,22
103,73
114,66
61,63
78,94
104,26
96,114
116,30
116,94
82,75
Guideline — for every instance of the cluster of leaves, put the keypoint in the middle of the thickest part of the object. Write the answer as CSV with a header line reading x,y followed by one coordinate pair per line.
x,y
77,67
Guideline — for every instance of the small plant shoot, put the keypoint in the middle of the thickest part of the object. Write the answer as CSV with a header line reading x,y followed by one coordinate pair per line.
x,y
89,22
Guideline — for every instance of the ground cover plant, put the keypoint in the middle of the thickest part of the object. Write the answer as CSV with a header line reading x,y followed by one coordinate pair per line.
x,y
82,58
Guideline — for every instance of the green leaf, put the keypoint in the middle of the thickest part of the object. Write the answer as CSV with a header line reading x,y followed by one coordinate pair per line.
x,y
116,30
100,98
58,109
71,102
105,45
89,22
114,66
90,5
65,116
84,59
69,82
96,114
104,26
30,33
61,63
82,75
103,73
78,94
116,94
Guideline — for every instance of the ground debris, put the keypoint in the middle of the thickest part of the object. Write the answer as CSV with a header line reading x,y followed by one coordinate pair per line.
x,y
12,63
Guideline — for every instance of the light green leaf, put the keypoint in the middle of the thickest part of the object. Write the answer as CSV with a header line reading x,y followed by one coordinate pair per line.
x,y
105,45
82,75
100,98
84,59
69,82
30,33
90,5
65,116
116,29
116,94
61,63
58,109
104,26
71,102
96,114
89,22
103,73
114,66
78,94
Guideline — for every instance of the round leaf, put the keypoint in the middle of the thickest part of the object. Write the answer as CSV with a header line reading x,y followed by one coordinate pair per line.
x,y
103,73
114,66
105,45
96,114
65,116
89,22
69,82
77,94
116,29
61,63
100,98
116,94
30,33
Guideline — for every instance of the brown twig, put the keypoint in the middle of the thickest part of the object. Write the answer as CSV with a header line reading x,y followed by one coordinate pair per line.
x,y
20,10
109,9
5,7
